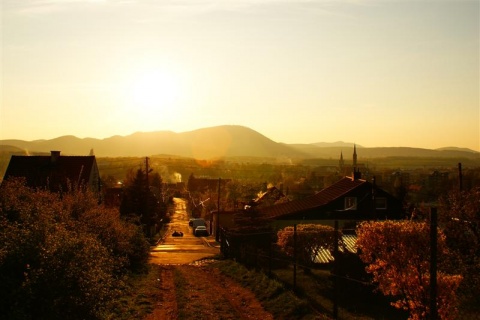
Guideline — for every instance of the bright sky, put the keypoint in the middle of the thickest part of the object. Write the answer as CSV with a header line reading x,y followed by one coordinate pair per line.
x,y
374,72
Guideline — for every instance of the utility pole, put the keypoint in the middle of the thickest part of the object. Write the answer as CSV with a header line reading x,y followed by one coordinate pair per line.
x,y
147,204
217,223
460,176
146,170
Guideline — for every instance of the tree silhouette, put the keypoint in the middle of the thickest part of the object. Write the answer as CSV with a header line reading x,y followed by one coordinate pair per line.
x,y
139,203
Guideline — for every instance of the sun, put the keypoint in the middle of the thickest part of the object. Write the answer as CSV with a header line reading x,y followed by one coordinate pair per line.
x,y
154,90
152,97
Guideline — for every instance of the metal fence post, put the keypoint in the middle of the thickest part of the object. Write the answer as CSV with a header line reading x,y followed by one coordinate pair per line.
x,y
335,271
433,263
294,257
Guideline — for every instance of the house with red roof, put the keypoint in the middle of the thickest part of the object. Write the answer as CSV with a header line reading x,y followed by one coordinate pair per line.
x,y
55,172
348,200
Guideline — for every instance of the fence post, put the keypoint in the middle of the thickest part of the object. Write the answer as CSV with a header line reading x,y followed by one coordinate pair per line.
x,y
294,257
270,257
433,263
223,247
335,271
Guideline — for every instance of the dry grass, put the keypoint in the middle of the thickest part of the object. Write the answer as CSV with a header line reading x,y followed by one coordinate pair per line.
x,y
316,286
139,296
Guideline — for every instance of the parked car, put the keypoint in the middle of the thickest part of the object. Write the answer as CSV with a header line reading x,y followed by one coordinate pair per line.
x,y
201,231
196,223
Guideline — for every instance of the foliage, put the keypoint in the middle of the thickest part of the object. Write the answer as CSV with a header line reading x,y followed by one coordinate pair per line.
x,y
459,216
62,256
398,257
140,204
310,240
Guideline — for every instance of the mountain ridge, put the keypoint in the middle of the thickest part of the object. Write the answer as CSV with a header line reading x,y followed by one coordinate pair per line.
x,y
217,142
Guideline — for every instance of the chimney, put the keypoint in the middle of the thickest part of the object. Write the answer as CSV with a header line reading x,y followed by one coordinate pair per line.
x,y
54,155
357,174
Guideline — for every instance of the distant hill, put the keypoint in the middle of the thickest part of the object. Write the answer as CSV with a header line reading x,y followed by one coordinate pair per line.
x,y
455,149
216,142
11,150
207,143
335,144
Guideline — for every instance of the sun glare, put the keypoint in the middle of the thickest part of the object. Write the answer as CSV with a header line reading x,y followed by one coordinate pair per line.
x,y
152,97
155,90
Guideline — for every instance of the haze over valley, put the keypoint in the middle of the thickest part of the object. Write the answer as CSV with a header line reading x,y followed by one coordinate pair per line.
x,y
376,73
216,142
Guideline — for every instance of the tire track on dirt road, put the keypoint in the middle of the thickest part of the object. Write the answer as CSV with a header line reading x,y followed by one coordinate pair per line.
x,y
211,295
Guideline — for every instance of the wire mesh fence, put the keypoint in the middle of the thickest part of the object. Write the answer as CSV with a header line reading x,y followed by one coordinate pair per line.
x,y
335,284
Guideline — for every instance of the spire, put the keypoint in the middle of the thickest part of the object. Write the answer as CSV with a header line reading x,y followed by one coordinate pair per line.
x,y
356,172
341,163
354,155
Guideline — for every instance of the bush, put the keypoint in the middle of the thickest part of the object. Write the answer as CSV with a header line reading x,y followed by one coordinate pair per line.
x,y
63,256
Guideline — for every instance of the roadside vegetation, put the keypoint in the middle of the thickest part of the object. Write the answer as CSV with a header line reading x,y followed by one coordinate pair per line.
x,y
62,255
65,256
144,292
275,297
140,295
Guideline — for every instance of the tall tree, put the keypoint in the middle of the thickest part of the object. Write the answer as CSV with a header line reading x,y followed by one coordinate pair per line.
x,y
139,202
398,257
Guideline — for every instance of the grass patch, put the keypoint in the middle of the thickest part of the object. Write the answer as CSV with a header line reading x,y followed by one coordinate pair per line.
x,y
272,294
139,296
181,287
316,287
313,295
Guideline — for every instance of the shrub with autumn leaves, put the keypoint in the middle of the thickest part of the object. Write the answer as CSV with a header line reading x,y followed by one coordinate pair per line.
x,y
63,256
398,257
311,239
459,217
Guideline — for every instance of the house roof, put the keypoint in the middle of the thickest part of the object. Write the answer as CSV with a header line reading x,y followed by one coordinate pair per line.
x,y
49,171
202,184
270,192
321,198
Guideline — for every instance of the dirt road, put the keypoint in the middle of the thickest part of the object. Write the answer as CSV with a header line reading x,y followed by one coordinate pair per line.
x,y
191,290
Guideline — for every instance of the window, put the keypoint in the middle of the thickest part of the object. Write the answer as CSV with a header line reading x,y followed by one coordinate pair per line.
x,y
350,203
380,203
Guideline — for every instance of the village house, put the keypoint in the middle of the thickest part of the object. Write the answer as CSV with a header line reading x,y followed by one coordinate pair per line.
x,y
55,172
222,219
267,198
350,199
205,184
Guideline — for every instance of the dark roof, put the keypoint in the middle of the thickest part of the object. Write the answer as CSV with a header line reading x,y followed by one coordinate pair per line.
x,y
53,173
321,198
271,192
203,184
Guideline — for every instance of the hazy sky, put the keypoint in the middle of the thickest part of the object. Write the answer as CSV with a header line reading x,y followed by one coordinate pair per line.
x,y
378,73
